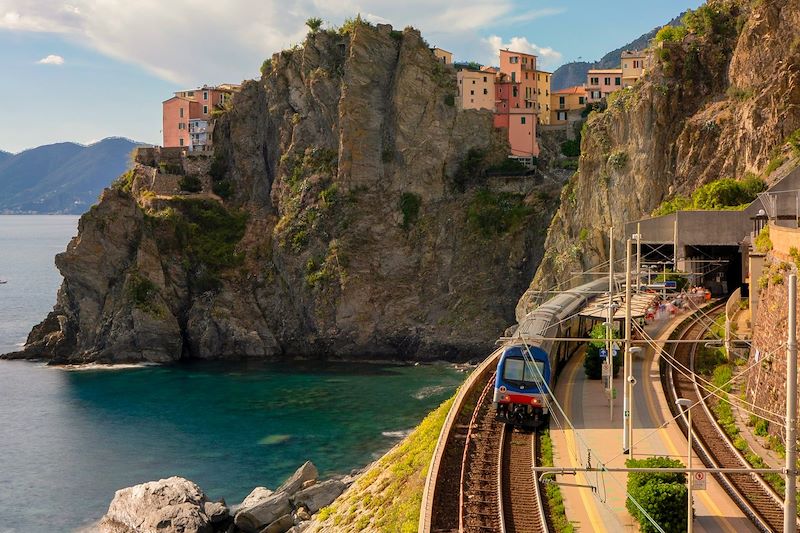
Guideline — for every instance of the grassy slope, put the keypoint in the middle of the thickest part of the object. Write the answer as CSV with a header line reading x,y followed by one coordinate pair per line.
x,y
388,495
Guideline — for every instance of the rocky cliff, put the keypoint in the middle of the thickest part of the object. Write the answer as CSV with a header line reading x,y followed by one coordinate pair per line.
x,y
719,102
344,212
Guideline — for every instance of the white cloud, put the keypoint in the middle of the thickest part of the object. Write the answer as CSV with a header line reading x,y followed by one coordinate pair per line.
x,y
535,14
51,60
207,41
547,57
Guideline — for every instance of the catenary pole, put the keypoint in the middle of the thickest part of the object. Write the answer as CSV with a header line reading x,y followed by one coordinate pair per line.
x,y
790,495
610,321
626,355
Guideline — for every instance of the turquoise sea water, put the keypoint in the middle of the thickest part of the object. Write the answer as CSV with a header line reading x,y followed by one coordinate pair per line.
x,y
71,438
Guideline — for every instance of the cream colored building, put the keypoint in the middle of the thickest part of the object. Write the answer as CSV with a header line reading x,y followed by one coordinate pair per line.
x,y
475,89
567,105
634,65
543,95
443,55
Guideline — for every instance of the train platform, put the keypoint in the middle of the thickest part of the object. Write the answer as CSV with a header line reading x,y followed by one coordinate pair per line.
x,y
595,501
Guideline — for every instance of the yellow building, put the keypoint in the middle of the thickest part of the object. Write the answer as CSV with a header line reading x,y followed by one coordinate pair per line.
x,y
443,55
475,89
567,105
543,95
634,65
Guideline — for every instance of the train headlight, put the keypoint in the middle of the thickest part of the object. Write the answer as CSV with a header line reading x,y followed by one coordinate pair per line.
x,y
503,388
534,400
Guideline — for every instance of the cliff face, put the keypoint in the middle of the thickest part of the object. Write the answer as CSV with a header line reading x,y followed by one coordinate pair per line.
x,y
355,223
716,104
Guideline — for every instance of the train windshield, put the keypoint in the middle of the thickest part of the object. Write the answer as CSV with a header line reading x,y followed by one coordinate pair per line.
x,y
520,371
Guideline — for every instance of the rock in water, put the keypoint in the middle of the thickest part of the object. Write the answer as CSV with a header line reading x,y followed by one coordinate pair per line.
x,y
318,496
172,505
256,495
255,517
307,472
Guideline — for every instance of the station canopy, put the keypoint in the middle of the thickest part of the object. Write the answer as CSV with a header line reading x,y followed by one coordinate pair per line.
x,y
598,309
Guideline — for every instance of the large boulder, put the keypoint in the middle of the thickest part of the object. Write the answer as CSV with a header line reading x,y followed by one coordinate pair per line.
x,y
257,495
318,496
281,525
264,512
173,505
307,472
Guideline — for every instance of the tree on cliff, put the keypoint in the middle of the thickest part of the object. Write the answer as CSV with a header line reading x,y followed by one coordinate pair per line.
x,y
314,24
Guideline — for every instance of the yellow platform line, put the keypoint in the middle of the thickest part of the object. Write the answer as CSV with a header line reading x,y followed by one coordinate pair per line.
x,y
589,503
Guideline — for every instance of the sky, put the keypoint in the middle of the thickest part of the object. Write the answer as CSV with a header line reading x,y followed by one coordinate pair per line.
x,y
84,70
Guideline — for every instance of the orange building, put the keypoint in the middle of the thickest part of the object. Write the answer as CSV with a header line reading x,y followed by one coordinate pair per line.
x,y
543,95
186,115
475,89
634,65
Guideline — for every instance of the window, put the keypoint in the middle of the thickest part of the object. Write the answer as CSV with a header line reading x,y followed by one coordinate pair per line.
x,y
561,115
538,77
189,93
606,81
471,93
205,95
514,91
513,60
524,60
547,107
624,65
636,63
180,141
486,91
473,82
581,100
205,109
617,81
484,79
521,371
513,76
180,112
561,101
594,81
522,120
546,92
526,75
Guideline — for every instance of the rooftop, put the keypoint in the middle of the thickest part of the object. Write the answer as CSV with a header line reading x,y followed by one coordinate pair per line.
x,y
576,89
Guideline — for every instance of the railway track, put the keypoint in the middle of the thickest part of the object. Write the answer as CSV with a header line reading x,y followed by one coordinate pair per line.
x,y
754,496
496,489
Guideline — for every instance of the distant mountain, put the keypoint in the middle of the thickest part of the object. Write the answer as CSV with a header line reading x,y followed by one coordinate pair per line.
x,y
61,178
574,73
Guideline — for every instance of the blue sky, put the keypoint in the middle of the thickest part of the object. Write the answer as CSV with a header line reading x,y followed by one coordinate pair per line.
x,y
113,63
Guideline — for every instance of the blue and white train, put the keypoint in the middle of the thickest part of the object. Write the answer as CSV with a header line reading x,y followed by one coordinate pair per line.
x,y
529,363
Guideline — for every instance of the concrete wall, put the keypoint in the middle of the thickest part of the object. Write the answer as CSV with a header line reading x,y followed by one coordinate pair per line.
x,y
783,240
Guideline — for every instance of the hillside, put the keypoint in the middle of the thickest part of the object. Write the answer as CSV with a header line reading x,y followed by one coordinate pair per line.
x,y
719,103
574,73
62,177
345,213
4,155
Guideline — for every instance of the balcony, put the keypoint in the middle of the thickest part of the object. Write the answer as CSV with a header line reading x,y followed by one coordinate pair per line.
x,y
197,129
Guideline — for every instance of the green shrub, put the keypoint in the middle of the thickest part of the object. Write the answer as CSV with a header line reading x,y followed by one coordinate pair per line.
x,y
509,165
725,193
670,34
762,242
141,291
663,496
592,363
618,159
218,168
761,427
774,164
190,183
170,168
409,206
350,25
450,100
793,140
223,188
739,93
491,213
266,67
124,182
571,147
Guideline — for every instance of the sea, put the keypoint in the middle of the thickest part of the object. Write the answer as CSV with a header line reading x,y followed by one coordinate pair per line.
x,y
69,438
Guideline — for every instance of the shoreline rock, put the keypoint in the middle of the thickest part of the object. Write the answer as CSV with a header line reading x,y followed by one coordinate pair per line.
x,y
177,505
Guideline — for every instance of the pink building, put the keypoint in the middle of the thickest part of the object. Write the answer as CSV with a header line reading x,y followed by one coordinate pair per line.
x,y
602,82
515,105
186,115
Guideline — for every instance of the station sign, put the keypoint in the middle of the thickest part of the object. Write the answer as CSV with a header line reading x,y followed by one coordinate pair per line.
x,y
603,353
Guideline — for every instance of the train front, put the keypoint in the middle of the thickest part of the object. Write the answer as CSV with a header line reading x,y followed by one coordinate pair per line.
x,y
519,390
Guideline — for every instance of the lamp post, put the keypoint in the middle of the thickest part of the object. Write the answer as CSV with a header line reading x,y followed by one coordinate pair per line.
x,y
687,404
